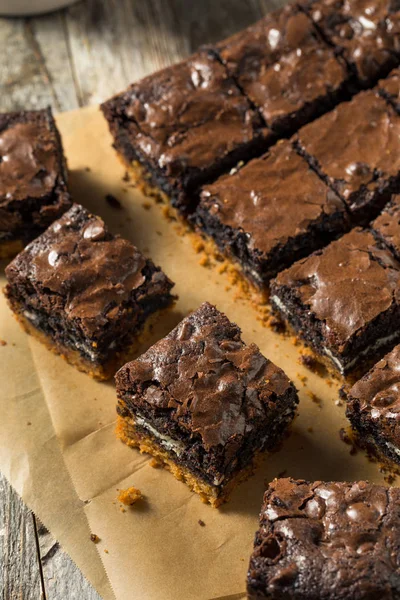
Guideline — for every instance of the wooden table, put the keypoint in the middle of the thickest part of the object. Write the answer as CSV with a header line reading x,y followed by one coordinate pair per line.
x,y
78,56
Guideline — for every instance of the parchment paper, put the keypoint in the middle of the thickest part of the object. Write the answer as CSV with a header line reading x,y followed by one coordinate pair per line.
x,y
67,464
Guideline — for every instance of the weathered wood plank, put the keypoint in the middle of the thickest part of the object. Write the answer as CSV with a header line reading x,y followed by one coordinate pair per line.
x,y
19,565
63,580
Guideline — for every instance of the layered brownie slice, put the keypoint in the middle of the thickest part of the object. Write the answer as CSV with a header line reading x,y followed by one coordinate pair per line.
x,y
356,150
269,213
204,403
389,88
373,408
366,34
343,301
85,293
33,178
330,540
286,69
184,125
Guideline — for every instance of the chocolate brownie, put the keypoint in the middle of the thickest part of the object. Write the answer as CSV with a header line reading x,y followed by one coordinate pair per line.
x,y
86,293
271,212
389,88
185,125
326,540
33,178
365,33
343,301
387,226
373,407
204,403
356,149
286,69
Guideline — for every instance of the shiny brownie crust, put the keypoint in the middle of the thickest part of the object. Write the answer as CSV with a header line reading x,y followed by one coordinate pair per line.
x,y
219,399
86,288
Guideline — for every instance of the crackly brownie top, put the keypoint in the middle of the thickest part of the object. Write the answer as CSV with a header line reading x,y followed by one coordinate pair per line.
x,y
357,145
390,88
30,160
367,30
271,199
78,268
387,225
204,377
189,115
377,395
346,285
282,63
329,540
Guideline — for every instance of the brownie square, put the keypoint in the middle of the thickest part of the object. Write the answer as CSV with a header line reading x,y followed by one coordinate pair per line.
x,y
269,213
184,125
356,149
286,69
367,34
33,177
373,408
85,293
343,301
389,88
326,540
204,403
387,226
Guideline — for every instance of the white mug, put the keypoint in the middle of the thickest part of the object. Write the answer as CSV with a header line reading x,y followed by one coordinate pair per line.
x,y
13,8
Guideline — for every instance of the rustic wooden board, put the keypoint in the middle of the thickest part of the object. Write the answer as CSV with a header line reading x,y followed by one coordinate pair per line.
x,y
78,56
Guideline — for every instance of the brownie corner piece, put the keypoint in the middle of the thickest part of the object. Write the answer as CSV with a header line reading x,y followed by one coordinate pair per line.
x,y
355,148
204,403
373,408
33,177
270,212
183,125
85,293
286,69
343,301
331,540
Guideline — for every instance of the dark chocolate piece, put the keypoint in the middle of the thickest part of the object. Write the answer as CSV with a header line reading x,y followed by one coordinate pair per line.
x,y
33,175
343,301
286,69
185,125
366,33
204,403
373,407
356,149
271,212
84,291
326,540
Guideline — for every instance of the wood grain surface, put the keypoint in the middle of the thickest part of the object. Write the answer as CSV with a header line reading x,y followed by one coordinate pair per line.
x,y
78,56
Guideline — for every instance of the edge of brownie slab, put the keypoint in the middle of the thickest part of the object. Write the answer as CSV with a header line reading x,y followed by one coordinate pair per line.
x,y
30,216
172,388
101,334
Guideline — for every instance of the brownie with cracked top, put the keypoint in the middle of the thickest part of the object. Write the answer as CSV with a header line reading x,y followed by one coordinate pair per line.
x,y
33,178
86,293
373,408
330,540
365,33
343,301
356,149
204,403
184,125
270,213
286,69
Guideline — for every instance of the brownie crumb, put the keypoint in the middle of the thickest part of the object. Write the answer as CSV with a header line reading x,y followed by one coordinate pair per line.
x,y
316,399
29,423
302,378
88,169
146,205
3,343
126,177
312,364
113,201
201,523
130,496
155,463
347,439
277,324
95,538
106,551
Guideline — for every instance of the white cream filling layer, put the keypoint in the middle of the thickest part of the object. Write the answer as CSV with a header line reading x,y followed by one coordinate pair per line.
x,y
336,361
